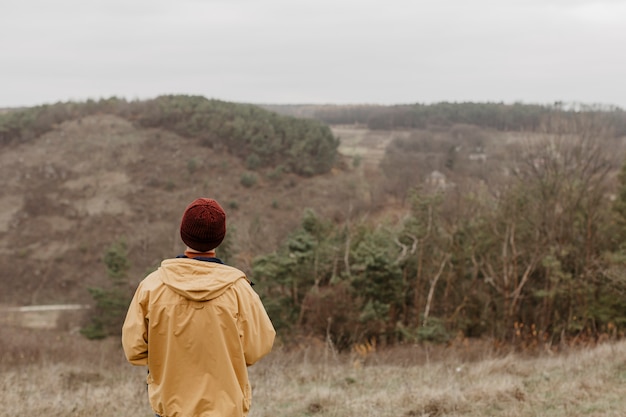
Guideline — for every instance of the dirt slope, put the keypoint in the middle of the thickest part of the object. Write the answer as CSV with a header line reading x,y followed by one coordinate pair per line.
x,y
72,192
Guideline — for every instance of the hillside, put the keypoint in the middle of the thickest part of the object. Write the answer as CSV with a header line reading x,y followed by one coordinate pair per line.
x,y
87,183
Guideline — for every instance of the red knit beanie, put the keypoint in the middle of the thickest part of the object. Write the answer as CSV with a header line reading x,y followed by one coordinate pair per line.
x,y
203,226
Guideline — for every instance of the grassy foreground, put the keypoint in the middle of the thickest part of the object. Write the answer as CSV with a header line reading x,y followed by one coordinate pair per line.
x,y
52,374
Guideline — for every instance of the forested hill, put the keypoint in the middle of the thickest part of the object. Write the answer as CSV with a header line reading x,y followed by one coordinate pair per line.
x,y
498,116
258,136
516,231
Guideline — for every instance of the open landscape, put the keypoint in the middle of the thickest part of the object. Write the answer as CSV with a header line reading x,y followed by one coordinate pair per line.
x,y
451,260
428,198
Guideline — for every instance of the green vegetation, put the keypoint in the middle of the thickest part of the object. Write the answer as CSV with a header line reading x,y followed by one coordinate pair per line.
x,y
249,179
260,137
111,303
257,136
192,166
499,116
513,117
535,258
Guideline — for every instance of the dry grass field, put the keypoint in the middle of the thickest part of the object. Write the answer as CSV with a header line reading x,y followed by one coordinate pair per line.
x,y
51,373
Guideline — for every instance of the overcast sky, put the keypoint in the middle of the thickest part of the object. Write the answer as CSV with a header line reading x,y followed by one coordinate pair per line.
x,y
318,51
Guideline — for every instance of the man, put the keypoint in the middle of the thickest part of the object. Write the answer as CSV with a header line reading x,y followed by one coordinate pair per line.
x,y
197,324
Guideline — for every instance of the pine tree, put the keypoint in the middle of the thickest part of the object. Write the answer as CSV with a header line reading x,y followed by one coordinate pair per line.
x,y
111,302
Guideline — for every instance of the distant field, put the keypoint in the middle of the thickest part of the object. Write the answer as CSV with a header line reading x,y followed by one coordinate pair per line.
x,y
369,145
46,373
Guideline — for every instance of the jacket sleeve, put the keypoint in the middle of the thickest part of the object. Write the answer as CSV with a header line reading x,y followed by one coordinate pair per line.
x,y
135,330
256,330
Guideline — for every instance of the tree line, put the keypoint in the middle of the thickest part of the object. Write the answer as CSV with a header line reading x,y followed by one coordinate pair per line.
x,y
499,116
261,138
538,257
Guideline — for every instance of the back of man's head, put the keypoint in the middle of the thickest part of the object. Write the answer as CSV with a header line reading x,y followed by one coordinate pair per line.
x,y
203,225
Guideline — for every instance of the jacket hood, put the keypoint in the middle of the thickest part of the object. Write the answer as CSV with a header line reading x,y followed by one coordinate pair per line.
x,y
198,280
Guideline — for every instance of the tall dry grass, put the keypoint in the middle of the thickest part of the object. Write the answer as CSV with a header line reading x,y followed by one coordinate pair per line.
x,y
46,373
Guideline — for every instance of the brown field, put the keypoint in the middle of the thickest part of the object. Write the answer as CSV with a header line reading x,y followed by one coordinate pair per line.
x,y
52,373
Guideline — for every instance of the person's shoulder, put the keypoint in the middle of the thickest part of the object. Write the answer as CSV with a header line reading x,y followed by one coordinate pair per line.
x,y
151,281
233,270
226,270
243,285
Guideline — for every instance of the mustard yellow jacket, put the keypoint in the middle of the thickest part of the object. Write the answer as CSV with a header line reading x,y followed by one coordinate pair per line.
x,y
197,326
